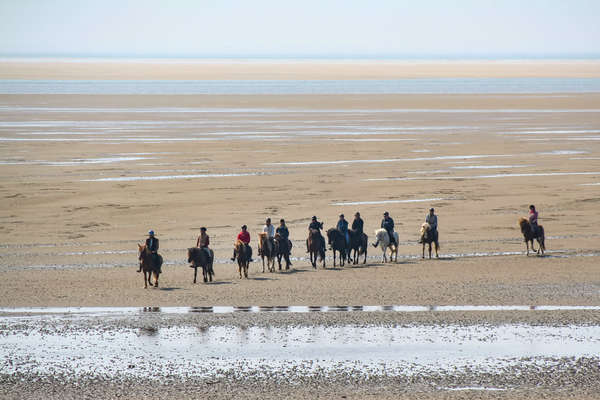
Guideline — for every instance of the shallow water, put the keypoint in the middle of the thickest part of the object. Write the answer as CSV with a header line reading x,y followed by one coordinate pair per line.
x,y
418,85
57,348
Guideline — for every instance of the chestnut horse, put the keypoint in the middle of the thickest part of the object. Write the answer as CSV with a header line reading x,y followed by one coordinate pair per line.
x,y
529,235
267,248
316,247
358,243
428,237
148,265
243,253
200,258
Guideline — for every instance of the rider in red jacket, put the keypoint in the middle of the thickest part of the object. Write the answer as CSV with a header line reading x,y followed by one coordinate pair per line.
x,y
244,237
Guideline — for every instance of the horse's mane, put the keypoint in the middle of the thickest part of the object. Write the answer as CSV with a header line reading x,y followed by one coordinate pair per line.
x,y
523,221
262,234
424,228
238,243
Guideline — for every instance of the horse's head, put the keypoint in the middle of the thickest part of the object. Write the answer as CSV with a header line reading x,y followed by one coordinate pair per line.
x,y
141,250
424,230
382,235
330,235
524,224
190,254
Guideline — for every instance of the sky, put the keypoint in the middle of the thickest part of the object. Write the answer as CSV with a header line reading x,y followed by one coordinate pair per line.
x,y
303,28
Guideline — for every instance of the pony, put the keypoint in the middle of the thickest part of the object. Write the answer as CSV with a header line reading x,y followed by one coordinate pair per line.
x,y
284,248
384,242
337,242
243,253
358,243
148,265
267,248
427,237
315,247
199,258
529,235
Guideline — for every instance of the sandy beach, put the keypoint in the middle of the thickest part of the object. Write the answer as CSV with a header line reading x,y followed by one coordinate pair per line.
x,y
84,177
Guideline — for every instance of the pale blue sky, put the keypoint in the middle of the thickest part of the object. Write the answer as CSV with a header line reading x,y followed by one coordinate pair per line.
x,y
221,28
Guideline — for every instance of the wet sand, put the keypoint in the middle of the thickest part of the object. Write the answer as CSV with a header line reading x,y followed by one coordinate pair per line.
x,y
85,176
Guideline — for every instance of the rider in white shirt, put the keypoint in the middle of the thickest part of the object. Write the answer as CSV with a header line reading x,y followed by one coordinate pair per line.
x,y
269,229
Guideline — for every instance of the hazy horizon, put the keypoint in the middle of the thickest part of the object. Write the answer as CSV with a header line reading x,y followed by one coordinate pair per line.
x,y
384,29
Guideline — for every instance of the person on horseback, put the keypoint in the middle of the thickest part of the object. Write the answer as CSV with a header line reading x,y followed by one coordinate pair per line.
x,y
387,223
284,233
203,242
358,224
431,219
244,237
314,224
269,229
342,226
152,246
533,220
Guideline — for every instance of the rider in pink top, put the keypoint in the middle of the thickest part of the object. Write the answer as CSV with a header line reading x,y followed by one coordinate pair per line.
x,y
533,219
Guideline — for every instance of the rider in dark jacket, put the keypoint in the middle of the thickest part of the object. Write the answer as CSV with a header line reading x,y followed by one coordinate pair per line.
x,y
387,223
314,224
357,224
152,245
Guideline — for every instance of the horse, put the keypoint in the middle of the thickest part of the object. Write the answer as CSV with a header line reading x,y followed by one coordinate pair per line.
x,y
243,253
529,235
199,258
284,248
358,243
428,237
148,265
267,248
315,247
337,242
384,242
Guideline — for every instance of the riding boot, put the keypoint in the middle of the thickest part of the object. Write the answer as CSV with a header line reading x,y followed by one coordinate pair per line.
x,y
375,244
233,257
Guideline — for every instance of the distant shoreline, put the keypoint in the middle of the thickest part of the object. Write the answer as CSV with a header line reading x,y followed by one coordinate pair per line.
x,y
290,69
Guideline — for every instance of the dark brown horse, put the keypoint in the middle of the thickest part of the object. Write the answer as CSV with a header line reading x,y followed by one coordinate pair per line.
x,y
284,248
243,253
267,248
337,243
428,237
529,235
149,265
358,244
316,248
201,258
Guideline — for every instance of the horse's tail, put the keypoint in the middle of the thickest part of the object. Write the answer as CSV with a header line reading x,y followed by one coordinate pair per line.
x,y
542,237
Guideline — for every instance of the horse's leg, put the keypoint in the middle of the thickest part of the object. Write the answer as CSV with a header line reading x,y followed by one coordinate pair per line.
x,y
246,264
263,261
240,269
155,278
527,245
145,281
430,250
195,272
437,247
333,258
423,256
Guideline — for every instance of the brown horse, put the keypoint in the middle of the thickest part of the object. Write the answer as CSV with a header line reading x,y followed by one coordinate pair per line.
x,y
428,237
148,265
267,247
337,243
243,253
529,235
316,248
201,258
284,248
358,244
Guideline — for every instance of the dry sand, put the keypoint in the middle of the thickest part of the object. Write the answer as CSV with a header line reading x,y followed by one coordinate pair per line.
x,y
303,69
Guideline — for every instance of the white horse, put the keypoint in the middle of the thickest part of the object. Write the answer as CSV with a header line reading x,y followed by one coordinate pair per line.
x,y
384,242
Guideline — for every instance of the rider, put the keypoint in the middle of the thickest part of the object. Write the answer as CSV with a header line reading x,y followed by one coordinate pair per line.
x,y
244,237
314,224
342,226
269,229
284,233
387,223
152,245
203,242
357,224
533,219
431,219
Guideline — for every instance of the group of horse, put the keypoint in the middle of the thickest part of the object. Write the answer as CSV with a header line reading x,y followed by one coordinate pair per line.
x,y
278,248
